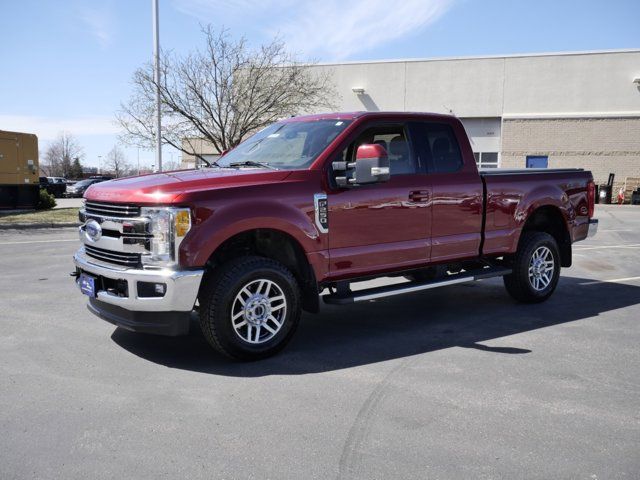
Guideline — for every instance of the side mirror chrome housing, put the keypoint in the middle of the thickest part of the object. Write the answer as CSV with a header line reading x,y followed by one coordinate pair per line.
x,y
371,166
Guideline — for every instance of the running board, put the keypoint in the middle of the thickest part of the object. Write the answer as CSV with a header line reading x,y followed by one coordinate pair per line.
x,y
391,290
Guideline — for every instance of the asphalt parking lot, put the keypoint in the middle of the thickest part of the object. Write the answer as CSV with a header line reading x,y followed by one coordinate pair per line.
x,y
458,382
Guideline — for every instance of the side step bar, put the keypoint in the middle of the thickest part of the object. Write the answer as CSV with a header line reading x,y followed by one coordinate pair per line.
x,y
389,291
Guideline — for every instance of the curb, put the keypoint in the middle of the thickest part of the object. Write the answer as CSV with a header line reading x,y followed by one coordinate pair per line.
x,y
28,226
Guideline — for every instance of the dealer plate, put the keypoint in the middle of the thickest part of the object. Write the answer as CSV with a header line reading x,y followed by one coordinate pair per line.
x,y
87,284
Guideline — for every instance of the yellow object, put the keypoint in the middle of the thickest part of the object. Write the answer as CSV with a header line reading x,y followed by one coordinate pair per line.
x,y
183,222
19,182
18,158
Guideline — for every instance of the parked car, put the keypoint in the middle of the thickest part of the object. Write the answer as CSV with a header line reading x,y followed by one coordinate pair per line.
x,y
78,188
311,205
56,186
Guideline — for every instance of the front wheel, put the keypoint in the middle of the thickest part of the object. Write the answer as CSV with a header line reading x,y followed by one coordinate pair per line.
x,y
536,268
250,308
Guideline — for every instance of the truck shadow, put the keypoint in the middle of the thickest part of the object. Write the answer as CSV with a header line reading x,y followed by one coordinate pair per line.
x,y
398,327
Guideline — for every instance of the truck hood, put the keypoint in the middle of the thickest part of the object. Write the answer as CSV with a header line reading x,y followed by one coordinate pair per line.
x,y
172,187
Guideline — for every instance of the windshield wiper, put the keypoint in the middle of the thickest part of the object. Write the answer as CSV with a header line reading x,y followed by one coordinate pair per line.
x,y
252,163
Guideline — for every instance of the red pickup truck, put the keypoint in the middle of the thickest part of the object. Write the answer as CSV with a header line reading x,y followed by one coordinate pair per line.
x,y
306,207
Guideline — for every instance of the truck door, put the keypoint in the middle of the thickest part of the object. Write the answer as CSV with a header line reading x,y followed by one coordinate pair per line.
x,y
456,211
385,225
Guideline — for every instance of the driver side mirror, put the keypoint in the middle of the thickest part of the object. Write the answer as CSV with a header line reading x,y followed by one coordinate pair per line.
x,y
371,166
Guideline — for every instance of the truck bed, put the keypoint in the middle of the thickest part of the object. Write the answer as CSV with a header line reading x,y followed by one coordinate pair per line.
x,y
512,195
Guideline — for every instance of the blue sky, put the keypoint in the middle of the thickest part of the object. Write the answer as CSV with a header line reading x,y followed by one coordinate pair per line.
x,y
67,64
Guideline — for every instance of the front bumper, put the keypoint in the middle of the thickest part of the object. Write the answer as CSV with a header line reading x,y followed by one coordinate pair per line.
x,y
593,227
167,315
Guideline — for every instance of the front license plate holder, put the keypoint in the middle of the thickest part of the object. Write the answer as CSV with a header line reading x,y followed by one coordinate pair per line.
x,y
88,285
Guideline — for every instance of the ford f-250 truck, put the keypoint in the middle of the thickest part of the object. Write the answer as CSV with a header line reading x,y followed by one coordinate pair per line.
x,y
309,205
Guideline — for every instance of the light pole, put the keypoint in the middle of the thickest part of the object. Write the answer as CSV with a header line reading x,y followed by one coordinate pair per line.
x,y
156,79
99,163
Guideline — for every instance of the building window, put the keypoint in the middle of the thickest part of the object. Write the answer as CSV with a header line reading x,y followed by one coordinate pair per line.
x,y
537,161
486,159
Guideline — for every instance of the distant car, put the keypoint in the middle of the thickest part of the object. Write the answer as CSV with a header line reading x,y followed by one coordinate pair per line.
x,y
78,188
53,185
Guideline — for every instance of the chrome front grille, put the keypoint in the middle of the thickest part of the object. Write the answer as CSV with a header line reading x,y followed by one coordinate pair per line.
x,y
125,235
131,260
111,210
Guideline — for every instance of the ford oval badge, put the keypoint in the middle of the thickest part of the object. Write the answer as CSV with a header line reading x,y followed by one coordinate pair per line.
x,y
93,230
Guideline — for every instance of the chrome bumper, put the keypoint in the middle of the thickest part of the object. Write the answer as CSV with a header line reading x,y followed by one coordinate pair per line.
x,y
181,286
593,227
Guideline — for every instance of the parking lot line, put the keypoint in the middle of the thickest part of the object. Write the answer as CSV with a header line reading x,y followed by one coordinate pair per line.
x,y
613,280
600,247
40,241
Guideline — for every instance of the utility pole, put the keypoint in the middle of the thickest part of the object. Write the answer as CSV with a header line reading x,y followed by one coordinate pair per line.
x,y
156,78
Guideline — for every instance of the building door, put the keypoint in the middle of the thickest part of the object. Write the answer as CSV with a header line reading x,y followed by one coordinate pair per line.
x,y
537,161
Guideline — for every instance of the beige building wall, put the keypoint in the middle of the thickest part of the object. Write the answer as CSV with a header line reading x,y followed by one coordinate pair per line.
x,y
581,109
200,146
541,84
602,145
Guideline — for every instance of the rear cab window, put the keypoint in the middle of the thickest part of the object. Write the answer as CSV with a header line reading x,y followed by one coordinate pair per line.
x,y
436,146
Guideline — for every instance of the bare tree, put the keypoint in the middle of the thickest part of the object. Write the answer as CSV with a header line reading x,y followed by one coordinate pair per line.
x,y
117,163
169,165
60,155
222,94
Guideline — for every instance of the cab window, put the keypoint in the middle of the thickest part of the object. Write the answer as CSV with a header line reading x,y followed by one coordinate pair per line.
x,y
436,146
394,140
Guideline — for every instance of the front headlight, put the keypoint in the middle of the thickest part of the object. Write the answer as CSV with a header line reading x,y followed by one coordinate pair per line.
x,y
168,227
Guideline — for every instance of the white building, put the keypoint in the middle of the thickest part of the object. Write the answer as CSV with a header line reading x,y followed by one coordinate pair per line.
x,y
577,109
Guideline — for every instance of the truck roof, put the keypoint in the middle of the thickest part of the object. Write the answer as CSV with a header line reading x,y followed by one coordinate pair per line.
x,y
372,115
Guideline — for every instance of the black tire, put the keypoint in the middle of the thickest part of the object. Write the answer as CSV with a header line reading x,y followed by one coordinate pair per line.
x,y
218,299
519,284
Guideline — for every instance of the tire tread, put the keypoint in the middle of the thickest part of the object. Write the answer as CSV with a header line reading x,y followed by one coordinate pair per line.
x,y
217,285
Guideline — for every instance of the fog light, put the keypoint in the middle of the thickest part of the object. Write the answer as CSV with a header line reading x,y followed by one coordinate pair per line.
x,y
151,290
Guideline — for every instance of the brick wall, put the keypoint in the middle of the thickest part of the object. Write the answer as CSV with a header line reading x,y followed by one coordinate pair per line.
x,y
602,145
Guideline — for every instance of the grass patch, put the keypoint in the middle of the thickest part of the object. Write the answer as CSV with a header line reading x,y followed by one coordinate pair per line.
x,y
58,215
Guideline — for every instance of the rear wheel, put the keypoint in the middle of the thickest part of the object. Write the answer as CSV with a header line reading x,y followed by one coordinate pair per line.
x,y
536,268
250,308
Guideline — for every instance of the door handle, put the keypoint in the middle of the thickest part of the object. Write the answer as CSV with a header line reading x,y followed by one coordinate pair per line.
x,y
419,196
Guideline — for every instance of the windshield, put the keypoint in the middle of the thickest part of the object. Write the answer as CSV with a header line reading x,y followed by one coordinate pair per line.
x,y
288,146
83,183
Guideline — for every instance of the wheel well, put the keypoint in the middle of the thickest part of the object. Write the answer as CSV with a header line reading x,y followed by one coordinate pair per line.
x,y
278,246
550,220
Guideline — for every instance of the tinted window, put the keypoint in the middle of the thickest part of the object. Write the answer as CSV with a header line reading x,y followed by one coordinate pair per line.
x,y
394,140
84,183
437,147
